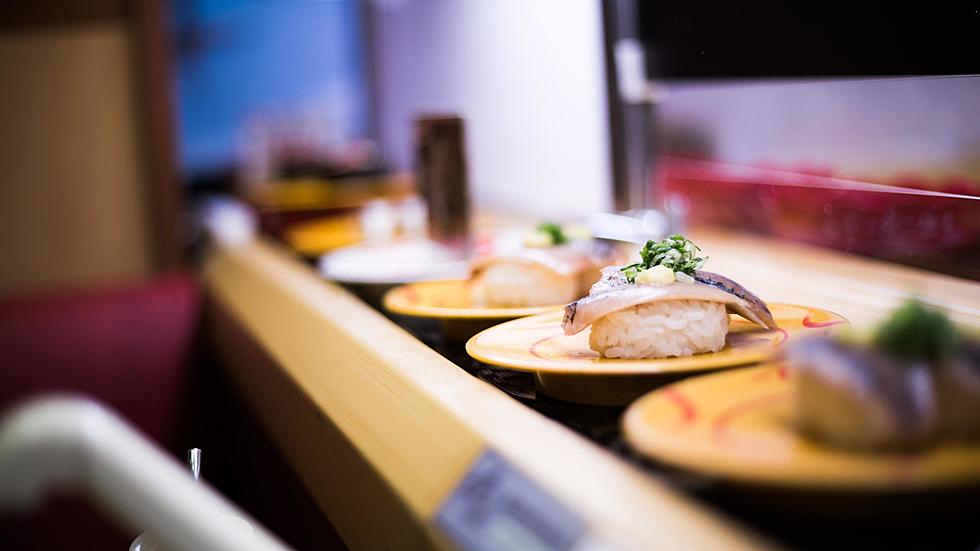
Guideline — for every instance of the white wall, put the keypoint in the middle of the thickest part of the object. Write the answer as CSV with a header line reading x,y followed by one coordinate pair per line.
x,y
527,75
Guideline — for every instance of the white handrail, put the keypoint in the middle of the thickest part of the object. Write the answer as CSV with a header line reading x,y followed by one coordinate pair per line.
x,y
77,444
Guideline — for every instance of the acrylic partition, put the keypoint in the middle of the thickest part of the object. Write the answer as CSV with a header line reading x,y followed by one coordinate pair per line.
x,y
917,227
888,168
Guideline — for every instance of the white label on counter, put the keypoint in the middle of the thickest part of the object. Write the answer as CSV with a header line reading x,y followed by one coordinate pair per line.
x,y
498,507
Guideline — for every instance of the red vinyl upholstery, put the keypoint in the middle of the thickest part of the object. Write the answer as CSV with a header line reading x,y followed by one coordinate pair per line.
x,y
130,348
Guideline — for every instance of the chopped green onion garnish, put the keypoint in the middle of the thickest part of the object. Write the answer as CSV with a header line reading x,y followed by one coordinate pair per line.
x,y
555,231
915,331
676,252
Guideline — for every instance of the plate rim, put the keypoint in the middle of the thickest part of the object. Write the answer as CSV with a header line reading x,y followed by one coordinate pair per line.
x,y
852,481
626,367
448,313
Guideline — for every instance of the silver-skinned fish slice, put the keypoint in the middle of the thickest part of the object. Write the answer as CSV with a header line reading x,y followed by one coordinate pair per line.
x,y
755,304
613,293
856,397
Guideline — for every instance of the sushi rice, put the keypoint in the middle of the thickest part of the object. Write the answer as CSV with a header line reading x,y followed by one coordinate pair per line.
x,y
661,329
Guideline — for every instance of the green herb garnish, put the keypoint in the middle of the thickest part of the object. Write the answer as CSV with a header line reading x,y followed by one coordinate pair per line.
x,y
676,252
915,331
554,231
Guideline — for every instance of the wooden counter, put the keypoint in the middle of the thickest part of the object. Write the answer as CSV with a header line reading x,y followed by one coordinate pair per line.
x,y
382,429
861,289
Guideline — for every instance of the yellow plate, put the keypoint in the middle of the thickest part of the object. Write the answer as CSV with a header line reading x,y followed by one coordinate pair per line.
x,y
449,299
737,426
538,344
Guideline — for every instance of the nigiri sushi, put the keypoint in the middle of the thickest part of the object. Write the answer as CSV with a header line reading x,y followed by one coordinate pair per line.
x,y
663,306
915,382
553,267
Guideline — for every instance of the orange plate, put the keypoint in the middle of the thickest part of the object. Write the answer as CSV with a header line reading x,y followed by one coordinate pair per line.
x,y
538,344
737,425
315,237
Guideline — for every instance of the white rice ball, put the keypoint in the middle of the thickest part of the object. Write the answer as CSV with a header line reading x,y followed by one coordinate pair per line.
x,y
512,284
661,329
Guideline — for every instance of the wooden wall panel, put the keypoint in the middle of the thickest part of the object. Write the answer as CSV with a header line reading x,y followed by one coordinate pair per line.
x,y
72,190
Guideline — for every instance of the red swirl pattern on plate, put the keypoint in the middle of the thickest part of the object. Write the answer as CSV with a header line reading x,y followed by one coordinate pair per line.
x,y
807,322
688,412
719,427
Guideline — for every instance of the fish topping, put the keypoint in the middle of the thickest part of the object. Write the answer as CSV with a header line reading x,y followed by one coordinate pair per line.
x,y
614,292
729,286
567,260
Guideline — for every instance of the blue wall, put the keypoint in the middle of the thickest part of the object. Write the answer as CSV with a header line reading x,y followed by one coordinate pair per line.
x,y
239,57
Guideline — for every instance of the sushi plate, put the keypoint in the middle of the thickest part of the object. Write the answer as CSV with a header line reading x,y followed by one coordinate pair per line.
x,y
565,367
314,237
737,426
392,263
449,301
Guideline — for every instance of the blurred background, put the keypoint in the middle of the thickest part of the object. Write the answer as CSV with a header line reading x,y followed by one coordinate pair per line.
x,y
119,116
842,127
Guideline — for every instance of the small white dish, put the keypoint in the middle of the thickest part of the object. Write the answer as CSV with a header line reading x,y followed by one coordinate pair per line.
x,y
393,263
